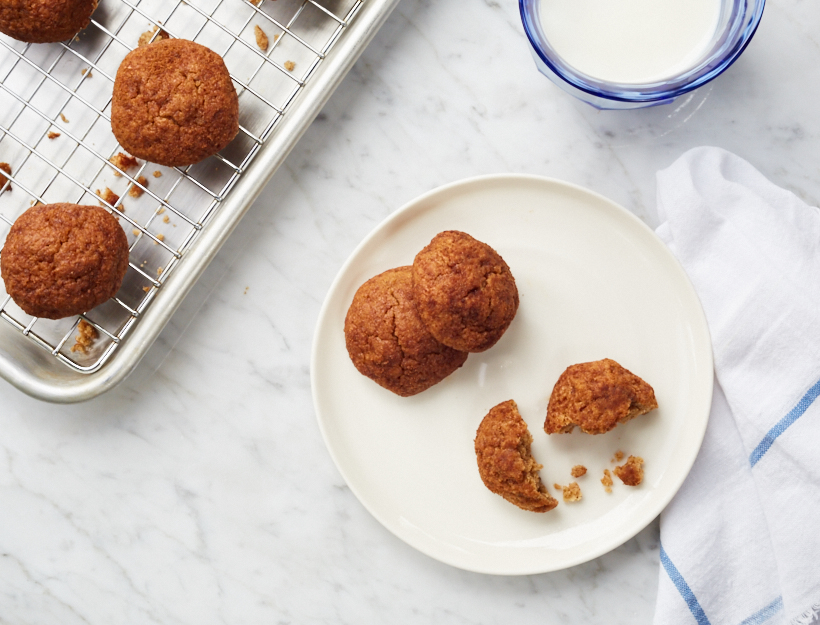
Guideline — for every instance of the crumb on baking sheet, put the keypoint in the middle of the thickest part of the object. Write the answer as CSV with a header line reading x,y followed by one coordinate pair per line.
x,y
618,456
135,232
5,167
290,65
157,174
160,210
64,118
166,219
146,37
146,288
572,492
87,73
136,191
578,470
86,335
52,135
109,196
245,292
631,473
159,271
607,481
261,38
160,237
123,161
255,3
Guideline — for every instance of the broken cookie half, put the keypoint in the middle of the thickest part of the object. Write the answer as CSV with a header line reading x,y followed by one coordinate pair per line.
x,y
505,462
597,396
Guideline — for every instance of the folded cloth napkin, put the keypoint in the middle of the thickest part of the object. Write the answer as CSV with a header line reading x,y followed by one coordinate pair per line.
x,y
740,542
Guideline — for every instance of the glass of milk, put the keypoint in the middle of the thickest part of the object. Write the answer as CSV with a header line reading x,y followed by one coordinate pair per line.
x,y
624,54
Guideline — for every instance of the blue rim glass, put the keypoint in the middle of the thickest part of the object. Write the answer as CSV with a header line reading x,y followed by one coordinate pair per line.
x,y
738,25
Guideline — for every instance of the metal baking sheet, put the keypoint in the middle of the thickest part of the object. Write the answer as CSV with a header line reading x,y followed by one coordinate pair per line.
x,y
55,135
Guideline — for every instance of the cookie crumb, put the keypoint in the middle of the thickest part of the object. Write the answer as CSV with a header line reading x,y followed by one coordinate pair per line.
x,y
112,198
261,38
145,38
63,117
159,271
4,179
160,210
52,135
146,288
87,73
166,219
135,232
572,492
631,473
290,65
245,292
86,335
136,191
607,481
255,3
619,455
578,470
160,237
157,174
123,161
558,486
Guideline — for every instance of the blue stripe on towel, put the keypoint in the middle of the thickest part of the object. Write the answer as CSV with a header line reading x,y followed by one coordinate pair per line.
x,y
781,426
683,589
761,616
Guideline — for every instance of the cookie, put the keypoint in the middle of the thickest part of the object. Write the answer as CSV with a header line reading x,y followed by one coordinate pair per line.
x,y
174,103
505,462
597,396
388,342
465,292
44,21
61,260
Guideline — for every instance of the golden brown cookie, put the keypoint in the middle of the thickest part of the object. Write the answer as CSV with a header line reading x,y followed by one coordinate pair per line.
x,y
597,396
465,292
61,260
174,103
387,341
505,462
44,21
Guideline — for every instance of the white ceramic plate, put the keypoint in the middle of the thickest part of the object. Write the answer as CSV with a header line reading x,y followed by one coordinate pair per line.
x,y
594,282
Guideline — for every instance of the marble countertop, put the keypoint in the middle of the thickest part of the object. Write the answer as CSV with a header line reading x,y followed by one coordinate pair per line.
x,y
200,491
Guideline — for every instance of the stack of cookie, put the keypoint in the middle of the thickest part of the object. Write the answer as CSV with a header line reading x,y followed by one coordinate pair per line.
x,y
410,327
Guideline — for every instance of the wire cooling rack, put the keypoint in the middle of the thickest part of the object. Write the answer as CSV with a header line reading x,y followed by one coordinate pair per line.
x,y
55,136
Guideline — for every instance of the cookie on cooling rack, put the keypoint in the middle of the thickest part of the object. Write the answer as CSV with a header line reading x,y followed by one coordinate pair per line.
x,y
465,292
387,341
61,260
44,21
174,103
505,462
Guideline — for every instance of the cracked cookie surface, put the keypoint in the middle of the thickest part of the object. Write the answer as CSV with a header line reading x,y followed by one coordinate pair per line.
x,y
44,21
505,462
61,260
465,292
388,342
174,103
597,396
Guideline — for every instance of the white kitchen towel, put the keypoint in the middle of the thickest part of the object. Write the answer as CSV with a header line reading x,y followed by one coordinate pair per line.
x,y
740,542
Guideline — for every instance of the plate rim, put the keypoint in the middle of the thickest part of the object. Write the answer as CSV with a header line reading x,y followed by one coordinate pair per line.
x,y
658,503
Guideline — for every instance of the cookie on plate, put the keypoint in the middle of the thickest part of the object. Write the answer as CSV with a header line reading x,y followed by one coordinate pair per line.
x,y
44,21
61,260
174,103
597,396
388,342
505,462
465,292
